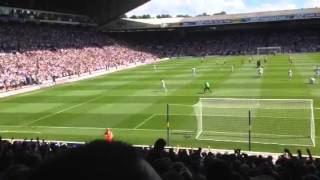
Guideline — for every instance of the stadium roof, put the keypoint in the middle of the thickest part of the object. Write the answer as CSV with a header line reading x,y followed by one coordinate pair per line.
x,y
255,14
101,11
270,16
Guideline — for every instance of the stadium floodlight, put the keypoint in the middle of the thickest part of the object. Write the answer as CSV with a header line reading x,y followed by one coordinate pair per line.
x,y
269,50
274,121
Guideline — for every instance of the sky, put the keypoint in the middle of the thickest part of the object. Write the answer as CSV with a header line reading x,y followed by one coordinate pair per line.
x,y
196,7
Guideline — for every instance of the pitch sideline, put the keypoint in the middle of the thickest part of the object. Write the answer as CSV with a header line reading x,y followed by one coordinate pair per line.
x,y
97,128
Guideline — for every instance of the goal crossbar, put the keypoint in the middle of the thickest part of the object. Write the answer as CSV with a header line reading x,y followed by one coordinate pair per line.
x,y
269,50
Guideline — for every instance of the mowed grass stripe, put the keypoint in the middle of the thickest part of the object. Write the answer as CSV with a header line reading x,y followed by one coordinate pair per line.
x,y
64,109
63,106
295,88
307,71
158,107
170,96
236,84
88,108
61,111
138,97
186,122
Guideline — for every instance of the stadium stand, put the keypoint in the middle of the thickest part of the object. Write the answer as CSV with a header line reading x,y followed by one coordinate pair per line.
x,y
38,159
235,42
33,54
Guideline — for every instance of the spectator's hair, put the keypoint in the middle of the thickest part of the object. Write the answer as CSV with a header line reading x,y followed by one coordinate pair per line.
x,y
218,170
160,144
15,172
97,160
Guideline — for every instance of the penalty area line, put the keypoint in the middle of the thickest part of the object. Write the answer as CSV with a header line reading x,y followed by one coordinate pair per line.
x,y
61,111
145,121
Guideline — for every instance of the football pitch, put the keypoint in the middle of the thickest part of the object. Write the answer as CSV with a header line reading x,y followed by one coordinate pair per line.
x,y
132,103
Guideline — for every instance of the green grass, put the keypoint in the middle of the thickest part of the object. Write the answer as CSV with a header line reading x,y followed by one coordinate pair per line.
x,y
132,104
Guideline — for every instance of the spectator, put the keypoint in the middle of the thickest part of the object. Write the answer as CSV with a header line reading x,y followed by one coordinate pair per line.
x,y
117,160
97,160
34,54
108,135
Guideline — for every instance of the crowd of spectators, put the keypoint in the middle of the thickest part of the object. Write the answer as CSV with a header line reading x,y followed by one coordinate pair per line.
x,y
34,54
235,42
199,165
35,159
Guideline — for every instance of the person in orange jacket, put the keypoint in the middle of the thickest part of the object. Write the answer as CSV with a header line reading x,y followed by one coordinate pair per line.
x,y
108,135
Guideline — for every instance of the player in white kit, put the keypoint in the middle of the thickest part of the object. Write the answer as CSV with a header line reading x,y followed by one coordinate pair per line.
x,y
163,85
193,72
290,74
155,68
312,80
260,71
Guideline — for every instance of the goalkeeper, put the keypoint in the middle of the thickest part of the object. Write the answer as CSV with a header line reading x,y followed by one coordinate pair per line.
x,y
207,88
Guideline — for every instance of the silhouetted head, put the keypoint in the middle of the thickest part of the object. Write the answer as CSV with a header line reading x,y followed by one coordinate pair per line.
x,y
97,160
160,144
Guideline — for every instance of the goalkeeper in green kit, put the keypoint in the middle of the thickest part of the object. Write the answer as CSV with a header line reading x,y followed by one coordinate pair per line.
x,y
207,88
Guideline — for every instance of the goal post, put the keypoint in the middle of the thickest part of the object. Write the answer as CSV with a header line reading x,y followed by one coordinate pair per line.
x,y
273,121
272,50
198,112
312,126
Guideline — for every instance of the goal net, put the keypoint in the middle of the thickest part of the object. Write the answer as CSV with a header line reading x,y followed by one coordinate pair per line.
x,y
269,50
273,121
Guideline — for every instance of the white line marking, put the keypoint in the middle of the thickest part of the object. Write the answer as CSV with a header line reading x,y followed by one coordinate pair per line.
x,y
154,130
256,116
61,111
310,100
254,142
261,134
236,107
145,121
31,132
96,128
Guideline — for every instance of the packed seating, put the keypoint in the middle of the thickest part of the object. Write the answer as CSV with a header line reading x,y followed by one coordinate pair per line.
x,y
38,159
34,54
236,42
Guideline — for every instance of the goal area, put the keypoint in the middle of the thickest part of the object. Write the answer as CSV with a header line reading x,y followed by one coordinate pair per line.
x,y
261,121
272,50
